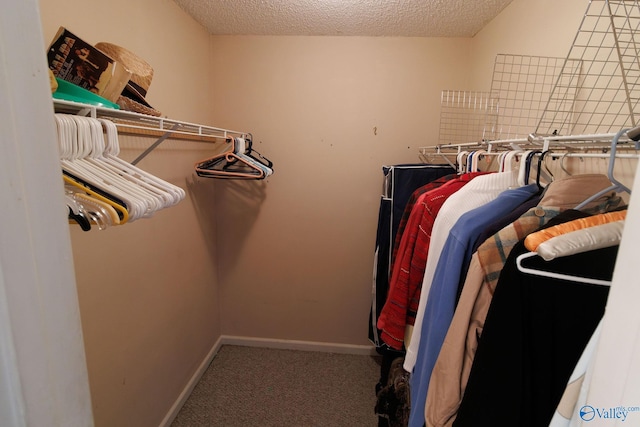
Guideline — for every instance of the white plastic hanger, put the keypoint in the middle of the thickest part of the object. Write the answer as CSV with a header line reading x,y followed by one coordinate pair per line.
x,y
93,141
524,172
582,240
476,159
146,203
508,160
162,192
72,152
461,160
553,275
616,185
84,149
110,155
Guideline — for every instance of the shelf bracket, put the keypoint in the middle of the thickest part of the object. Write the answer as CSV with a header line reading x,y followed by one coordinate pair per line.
x,y
155,144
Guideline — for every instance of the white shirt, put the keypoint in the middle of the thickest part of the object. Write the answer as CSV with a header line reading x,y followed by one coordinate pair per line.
x,y
476,193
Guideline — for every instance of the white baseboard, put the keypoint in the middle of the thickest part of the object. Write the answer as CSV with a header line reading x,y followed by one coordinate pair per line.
x,y
364,350
182,398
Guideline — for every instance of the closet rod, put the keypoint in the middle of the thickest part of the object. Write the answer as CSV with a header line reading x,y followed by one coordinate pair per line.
x,y
593,155
544,143
552,154
485,145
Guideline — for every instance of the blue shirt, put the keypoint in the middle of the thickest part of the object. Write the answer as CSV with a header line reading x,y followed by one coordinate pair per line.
x,y
453,261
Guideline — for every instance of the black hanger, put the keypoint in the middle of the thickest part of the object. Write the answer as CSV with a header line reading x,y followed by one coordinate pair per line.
x,y
250,151
539,171
99,191
234,164
79,218
229,164
527,165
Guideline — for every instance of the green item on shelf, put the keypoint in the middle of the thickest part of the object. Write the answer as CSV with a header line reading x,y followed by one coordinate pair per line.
x,y
67,91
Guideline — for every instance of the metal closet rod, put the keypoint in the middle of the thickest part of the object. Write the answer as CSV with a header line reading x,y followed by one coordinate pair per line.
x,y
141,124
538,142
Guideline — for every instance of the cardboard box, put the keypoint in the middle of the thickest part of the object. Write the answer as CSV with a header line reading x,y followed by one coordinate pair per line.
x,y
74,60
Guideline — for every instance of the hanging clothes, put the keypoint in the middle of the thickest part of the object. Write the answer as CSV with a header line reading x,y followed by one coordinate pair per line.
x,y
479,191
451,371
575,394
591,237
392,404
416,198
400,182
535,331
452,264
534,240
408,270
574,397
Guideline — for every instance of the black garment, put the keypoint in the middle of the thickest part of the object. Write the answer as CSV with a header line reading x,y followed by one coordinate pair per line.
x,y
381,271
535,331
393,399
402,180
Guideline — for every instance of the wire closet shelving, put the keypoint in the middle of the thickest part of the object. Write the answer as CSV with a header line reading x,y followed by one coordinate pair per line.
x,y
162,128
587,96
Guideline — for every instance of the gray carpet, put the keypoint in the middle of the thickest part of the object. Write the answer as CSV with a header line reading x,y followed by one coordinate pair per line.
x,y
249,386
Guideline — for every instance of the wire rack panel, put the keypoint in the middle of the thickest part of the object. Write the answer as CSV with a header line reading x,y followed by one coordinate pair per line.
x,y
522,85
520,88
608,78
464,115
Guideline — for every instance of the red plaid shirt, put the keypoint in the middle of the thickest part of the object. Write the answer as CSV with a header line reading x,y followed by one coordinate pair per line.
x,y
408,271
409,207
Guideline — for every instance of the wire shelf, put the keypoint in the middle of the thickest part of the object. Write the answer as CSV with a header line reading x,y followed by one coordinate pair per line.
x,y
142,124
464,115
523,85
520,88
608,78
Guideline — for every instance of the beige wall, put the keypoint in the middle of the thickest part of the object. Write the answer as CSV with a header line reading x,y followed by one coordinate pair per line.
x,y
148,290
329,112
293,254
289,258
313,104
531,27
159,32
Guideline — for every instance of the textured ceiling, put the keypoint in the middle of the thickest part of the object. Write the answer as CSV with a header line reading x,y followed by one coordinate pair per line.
x,y
411,18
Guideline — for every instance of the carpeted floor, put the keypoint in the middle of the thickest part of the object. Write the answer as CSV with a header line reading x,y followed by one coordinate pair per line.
x,y
249,386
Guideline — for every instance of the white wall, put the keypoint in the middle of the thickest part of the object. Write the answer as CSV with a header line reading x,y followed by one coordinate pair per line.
x,y
43,375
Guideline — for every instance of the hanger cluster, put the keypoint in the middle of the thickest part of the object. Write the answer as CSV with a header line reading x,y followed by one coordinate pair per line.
x,y
100,188
242,162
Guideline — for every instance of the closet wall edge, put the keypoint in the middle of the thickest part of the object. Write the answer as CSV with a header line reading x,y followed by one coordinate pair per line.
x,y
148,290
